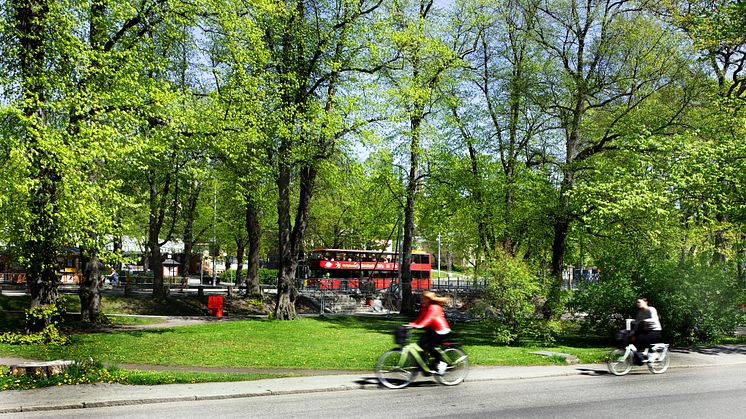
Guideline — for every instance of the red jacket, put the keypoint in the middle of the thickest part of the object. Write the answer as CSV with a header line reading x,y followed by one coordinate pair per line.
x,y
433,318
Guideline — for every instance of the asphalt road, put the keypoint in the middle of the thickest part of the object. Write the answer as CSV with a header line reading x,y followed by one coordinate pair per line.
x,y
712,392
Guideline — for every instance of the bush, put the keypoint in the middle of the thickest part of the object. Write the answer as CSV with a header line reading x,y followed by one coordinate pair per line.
x,y
513,295
696,301
44,319
606,304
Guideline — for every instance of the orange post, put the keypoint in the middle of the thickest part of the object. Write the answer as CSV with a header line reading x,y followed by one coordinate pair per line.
x,y
215,304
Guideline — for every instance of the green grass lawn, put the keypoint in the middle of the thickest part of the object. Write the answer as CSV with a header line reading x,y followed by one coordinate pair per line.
x,y
352,343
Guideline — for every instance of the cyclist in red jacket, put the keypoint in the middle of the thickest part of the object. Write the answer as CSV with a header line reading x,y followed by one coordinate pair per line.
x,y
434,320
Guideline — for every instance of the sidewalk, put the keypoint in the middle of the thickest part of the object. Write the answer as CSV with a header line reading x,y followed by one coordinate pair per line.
x,y
99,395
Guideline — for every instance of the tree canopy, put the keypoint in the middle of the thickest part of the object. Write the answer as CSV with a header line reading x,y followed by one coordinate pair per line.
x,y
559,133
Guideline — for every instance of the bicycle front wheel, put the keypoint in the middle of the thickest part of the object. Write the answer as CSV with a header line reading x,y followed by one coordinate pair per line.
x,y
619,362
394,369
458,367
660,365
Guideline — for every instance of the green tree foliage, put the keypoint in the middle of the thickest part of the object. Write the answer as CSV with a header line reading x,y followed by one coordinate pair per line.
x,y
608,61
713,151
696,301
355,208
416,79
515,293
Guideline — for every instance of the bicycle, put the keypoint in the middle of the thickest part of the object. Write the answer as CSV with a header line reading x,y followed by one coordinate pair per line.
x,y
621,360
397,368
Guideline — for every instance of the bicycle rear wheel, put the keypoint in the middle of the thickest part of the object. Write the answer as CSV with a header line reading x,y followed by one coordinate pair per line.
x,y
619,362
393,371
458,367
660,365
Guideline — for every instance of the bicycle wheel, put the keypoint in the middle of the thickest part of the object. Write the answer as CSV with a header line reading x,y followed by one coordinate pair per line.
x,y
619,362
392,372
458,367
660,365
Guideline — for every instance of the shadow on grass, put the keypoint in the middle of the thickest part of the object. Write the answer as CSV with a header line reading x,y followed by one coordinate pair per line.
x,y
472,333
12,322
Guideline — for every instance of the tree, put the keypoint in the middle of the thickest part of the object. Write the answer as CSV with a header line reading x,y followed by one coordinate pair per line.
x,y
415,80
42,238
715,150
312,48
242,100
608,59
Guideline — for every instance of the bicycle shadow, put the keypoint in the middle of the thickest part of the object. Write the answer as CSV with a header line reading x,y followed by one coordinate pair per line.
x,y
372,381
713,350
593,370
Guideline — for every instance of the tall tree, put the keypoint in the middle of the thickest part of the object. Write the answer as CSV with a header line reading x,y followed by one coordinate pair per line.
x,y
498,107
609,59
424,57
716,152
31,22
313,47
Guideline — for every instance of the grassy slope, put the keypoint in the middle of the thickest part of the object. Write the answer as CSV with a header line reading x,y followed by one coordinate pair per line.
x,y
315,343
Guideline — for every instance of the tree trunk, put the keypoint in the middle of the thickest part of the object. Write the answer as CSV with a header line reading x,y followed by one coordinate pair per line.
x,y
240,250
90,286
553,306
290,241
190,214
408,300
158,202
157,266
285,305
253,227
42,245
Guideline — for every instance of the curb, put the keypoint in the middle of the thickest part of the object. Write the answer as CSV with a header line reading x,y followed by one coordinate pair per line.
x,y
585,369
155,400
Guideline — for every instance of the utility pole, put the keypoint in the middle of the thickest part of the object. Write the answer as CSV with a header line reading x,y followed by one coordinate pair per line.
x,y
214,235
399,255
438,258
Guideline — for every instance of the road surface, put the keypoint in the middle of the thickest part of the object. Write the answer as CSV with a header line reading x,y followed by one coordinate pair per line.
x,y
712,392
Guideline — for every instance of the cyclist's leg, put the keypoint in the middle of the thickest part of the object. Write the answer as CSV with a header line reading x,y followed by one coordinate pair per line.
x,y
428,342
641,342
653,337
644,341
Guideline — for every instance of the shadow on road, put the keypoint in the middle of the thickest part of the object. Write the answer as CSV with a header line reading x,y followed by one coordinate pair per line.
x,y
714,350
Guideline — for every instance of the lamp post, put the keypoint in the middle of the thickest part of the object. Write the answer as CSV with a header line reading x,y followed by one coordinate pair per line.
x,y
214,239
438,258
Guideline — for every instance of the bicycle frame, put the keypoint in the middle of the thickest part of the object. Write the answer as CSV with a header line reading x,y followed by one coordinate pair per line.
x,y
417,354
630,349
396,368
620,363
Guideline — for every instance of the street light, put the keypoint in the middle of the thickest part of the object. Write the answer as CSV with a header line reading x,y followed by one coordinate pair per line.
x,y
214,223
438,258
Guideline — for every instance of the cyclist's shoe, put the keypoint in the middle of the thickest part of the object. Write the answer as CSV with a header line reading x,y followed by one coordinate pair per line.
x,y
441,368
639,358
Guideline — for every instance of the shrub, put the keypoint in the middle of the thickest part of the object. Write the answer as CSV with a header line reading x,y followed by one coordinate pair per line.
x,y
44,319
513,294
606,304
696,301
266,276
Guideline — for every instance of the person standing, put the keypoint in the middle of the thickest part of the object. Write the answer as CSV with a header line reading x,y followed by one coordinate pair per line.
x,y
114,277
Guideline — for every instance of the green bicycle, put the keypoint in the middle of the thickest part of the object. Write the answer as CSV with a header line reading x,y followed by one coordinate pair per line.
x,y
397,368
